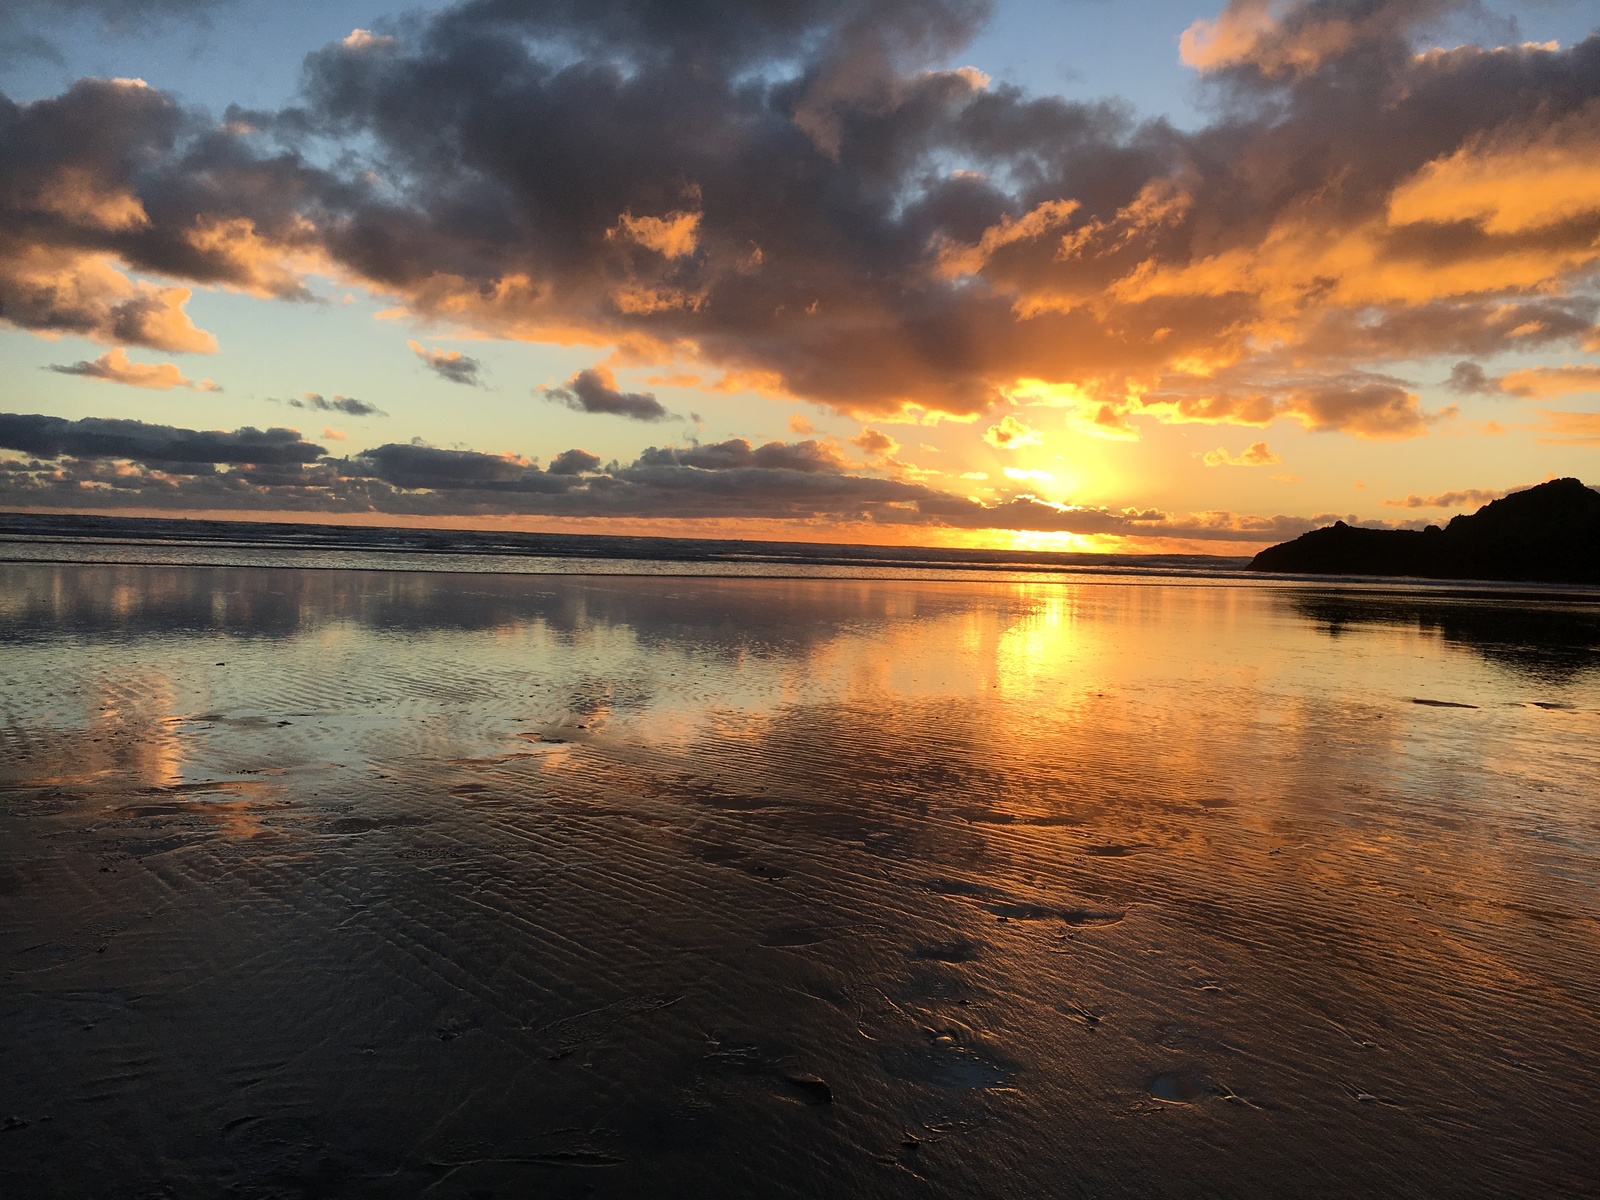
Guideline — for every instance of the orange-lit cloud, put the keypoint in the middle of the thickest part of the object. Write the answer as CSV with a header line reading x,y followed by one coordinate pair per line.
x,y
954,259
1256,454
450,365
365,39
58,291
1571,429
1544,383
876,444
807,217
1372,410
1512,180
1011,434
1271,257
672,236
114,366
1465,498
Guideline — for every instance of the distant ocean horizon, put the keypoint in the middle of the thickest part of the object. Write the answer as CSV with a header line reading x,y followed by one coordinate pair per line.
x,y
34,537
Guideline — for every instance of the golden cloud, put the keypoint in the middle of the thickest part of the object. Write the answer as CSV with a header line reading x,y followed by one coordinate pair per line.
x,y
114,366
1011,434
1475,497
1571,429
1511,181
1256,454
86,294
675,235
1544,383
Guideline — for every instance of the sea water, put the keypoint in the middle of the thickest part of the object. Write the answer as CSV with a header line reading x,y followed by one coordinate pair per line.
x,y
337,882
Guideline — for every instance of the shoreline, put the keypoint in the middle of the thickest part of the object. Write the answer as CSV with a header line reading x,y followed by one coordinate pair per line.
x,y
446,562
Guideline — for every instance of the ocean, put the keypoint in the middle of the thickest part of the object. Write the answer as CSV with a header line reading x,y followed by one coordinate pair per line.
x,y
408,863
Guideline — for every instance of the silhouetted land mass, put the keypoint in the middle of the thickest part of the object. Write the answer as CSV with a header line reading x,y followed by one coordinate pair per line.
x,y
1547,534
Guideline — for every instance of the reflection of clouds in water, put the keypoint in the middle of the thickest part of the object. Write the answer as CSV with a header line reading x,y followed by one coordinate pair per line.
x,y
928,847
114,727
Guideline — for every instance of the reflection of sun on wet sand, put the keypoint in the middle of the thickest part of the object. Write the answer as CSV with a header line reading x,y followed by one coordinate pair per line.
x,y
487,885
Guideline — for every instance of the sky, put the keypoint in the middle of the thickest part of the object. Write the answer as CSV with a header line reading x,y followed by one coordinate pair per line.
x,y
1046,274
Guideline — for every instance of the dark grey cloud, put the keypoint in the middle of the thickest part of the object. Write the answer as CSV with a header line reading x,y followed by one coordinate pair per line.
x,y
796,192
103,437
414,465
574,462
348,405
26,26
1469,379
738,454
818,226
450,365
115,172
126,464
594,390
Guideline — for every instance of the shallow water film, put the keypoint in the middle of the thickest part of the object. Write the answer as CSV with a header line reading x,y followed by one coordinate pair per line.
x,y
348,884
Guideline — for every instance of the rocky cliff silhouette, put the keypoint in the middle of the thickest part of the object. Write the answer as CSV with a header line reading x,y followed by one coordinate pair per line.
x,y
1547,534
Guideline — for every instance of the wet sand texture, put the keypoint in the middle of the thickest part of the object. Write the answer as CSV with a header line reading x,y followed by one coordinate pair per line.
x,y
343,884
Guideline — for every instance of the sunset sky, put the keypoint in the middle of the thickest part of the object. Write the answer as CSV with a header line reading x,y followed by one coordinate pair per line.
x,y
1062,274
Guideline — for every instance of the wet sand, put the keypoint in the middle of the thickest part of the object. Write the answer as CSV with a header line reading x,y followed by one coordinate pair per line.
x,y
341,883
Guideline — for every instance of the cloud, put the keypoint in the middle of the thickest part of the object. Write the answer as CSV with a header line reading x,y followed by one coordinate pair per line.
x,y
799,423
1471,379
1374,410
418,465
365,39
1467,497
112,180
876,444
102,437
24,23
1544,383
129,465
1011,434
114,366
348,405
803,194
1256,454
1267,40
450,365
1518,178
672,236
1571,429
1022,474
574,462
809,457
115,14
594,390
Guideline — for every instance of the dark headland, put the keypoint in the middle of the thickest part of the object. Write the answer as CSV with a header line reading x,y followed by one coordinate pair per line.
x,y
1547,534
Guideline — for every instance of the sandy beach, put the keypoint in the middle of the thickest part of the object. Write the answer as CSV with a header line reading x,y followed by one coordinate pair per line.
x,y
339,883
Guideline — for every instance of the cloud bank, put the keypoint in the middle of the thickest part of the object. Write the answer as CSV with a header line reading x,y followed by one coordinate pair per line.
x,y
800,193
130,464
